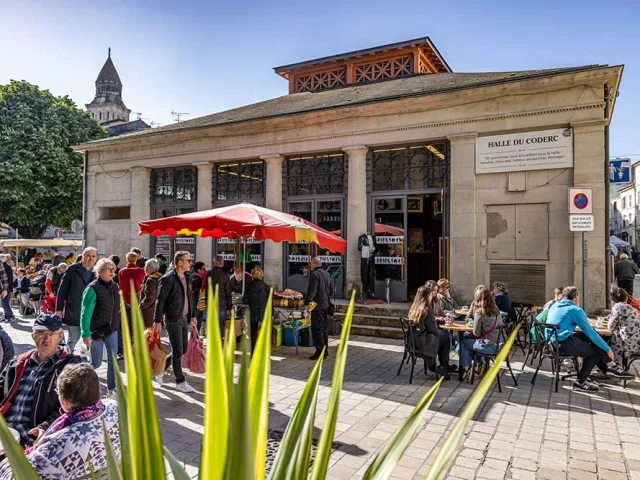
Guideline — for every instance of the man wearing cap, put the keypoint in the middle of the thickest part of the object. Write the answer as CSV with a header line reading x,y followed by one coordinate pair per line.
x,y
6,286
28,397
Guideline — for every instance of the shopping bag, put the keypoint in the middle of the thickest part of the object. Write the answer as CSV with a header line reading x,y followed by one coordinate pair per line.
x,y
202,296
194,359
157,353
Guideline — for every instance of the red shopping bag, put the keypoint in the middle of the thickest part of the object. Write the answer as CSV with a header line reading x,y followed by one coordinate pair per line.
x,y
157,353
194,359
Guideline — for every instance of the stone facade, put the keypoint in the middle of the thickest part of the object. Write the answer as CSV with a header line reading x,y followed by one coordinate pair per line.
x,y
118,170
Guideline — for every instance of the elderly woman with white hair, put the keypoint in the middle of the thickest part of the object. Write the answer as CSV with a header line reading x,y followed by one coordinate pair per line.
x,y
625,271
149,291
100,319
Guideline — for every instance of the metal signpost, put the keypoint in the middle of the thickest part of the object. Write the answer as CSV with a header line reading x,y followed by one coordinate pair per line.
x,y
581,220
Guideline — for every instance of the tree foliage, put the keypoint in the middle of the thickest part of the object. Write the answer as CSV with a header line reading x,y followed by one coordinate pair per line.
x,y
41,176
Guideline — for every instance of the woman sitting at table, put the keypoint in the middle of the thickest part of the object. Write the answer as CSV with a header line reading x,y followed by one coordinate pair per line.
x,y
444,295
486,319
624,321
431,342
557,295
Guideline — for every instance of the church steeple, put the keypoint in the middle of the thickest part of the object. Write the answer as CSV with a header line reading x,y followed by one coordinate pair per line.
x,y
107,106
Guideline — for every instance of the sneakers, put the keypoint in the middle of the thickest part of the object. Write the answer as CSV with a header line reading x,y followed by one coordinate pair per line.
x,y
316,355
184,387
159,380
585,387
110,394
618,372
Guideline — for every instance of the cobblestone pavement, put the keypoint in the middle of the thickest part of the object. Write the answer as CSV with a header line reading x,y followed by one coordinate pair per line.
x,y
523,433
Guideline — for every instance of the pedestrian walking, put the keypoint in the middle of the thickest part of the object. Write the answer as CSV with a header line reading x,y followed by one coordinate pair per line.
x,y
256,296
217,276
6,286
625,272
149,291
319,291
69,301
175,303
100,319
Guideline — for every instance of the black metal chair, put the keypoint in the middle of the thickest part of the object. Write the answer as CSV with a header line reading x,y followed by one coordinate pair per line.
x,y
626,364
409,354
522,313
534,346
480,358
549,349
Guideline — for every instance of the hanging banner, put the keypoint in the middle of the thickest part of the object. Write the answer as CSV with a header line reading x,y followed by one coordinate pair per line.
x,y
517,152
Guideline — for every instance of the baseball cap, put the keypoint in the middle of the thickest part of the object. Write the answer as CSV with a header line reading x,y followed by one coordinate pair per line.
x,y
47,321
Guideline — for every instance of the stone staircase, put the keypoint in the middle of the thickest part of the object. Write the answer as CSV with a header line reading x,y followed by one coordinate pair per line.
x,y
374,320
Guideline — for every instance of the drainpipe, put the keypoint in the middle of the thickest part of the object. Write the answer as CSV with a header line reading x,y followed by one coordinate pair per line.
x,y
607,200
84,197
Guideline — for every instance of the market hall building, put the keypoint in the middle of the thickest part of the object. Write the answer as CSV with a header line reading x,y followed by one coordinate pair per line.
x,y
458,175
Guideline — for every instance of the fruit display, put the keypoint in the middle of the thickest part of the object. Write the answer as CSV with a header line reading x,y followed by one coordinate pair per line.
x,y
288,299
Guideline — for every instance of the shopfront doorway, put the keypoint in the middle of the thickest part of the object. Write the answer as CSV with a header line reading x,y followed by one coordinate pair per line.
x,y
408,214
328,214
410,246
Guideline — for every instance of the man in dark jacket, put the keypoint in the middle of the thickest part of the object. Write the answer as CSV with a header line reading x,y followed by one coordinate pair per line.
x,y
319,291
28,396
7,352
175,302
6,286
502,299
625,272
217,276
69,301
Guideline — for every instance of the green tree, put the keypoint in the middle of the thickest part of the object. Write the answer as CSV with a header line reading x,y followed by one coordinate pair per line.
x,y
40,175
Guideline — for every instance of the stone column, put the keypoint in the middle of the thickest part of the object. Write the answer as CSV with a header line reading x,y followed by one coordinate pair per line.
x,y
356,212
588,171
273,266
462,200
91,214
204,246
140,207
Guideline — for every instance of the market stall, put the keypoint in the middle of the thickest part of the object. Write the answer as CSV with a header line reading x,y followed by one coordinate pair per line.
x,y
244,221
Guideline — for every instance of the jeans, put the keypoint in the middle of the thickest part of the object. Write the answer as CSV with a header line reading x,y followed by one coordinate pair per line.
x,y
97,346
627,285
179,339
579,345
444,347
74,337
222,318
319,331
200,318
470,345
6,306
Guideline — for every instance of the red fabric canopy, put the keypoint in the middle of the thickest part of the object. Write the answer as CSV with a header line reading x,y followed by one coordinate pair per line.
x,y
245,220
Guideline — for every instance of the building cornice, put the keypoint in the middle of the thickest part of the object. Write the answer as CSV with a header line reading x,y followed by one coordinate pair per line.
x,y
364,133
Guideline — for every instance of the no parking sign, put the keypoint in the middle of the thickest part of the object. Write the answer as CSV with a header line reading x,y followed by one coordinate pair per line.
x,y
580,201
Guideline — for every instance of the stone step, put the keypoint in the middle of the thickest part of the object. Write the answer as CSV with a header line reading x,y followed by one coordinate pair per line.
x,y
382,310
375,331
372,320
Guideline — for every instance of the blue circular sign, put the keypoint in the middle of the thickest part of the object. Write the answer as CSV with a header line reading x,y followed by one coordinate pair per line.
x,y
581,201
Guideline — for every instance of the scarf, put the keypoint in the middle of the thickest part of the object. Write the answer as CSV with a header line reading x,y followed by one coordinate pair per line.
x,y
75,415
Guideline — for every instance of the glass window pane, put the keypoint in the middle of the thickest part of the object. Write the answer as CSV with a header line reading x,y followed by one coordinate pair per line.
x,y
298,260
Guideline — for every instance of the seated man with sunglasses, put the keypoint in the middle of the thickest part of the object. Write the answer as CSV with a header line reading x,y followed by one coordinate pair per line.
x,y
28,397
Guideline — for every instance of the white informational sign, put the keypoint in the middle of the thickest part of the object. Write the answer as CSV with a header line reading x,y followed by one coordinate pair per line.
x,y
230,257
331,258
228,241
389,240
389,260
581,223
299,259
580,201
516,152
185,241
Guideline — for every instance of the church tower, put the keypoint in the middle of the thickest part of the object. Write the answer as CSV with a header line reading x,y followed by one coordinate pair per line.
x,y
107,107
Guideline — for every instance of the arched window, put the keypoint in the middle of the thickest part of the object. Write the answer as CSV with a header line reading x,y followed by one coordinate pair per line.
x,y
100,115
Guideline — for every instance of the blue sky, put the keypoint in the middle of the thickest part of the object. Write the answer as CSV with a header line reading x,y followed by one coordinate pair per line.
x,y
204,57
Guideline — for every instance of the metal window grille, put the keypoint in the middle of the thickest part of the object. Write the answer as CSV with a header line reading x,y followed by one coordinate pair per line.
x,y
410,167
316,174
239,181
174,185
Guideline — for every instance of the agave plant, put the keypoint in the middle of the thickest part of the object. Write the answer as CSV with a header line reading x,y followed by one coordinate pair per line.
x,y
234,441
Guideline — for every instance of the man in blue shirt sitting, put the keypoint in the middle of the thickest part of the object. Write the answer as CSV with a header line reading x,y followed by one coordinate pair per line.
x,y
586,344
